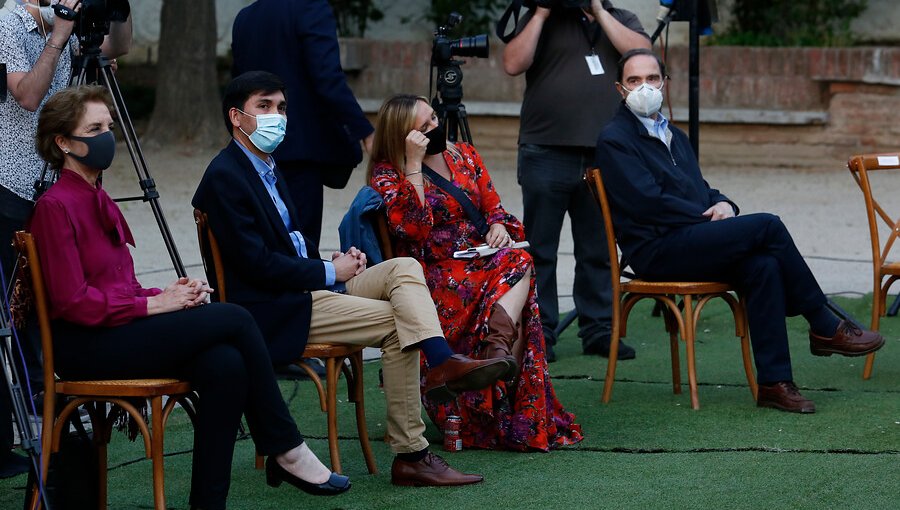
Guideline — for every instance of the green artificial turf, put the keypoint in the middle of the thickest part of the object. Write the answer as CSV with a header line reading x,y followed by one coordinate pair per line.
x,y
645,449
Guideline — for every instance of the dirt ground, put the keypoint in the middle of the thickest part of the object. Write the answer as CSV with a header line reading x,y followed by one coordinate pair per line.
x,y
823,209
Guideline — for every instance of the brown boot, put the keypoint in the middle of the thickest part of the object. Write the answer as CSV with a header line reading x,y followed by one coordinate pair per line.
x,y
502,335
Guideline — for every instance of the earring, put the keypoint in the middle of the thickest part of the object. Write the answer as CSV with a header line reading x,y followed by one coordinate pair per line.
x,y
66,151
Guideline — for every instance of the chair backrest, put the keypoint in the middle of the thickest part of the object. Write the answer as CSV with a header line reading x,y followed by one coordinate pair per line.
x,y
860,166
211,255
384,234
594,180
30,270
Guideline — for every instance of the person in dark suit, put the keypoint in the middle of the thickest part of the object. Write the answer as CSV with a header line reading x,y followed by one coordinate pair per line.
x,y
297,41
274,270
671,225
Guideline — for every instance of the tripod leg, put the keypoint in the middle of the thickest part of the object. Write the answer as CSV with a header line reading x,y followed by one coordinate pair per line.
x,y
140,165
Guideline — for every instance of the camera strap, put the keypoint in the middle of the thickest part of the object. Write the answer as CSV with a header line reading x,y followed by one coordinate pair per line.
x,y
469,208
503,30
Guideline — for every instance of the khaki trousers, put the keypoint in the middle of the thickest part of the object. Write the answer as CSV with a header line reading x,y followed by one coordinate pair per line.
x,y
388,306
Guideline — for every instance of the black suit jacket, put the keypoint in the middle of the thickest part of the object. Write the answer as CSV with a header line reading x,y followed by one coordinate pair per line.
x,y
297,40
263,272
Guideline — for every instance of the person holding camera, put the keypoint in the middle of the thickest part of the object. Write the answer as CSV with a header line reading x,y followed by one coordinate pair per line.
x,y
37,47
567,50
440,200
106,326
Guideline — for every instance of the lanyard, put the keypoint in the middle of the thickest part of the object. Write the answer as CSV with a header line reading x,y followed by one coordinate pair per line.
x,y
585,27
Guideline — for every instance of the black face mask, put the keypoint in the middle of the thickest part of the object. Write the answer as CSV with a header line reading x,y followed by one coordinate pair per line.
x,y
101,150
437,141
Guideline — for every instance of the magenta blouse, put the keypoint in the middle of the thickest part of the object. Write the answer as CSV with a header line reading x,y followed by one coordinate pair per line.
x,y
81,237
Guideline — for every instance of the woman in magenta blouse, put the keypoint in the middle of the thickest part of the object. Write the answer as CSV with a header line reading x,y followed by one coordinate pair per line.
x,y
105,325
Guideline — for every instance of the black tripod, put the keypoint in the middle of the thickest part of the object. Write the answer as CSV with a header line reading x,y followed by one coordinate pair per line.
x,y
92,67
447,101
11,358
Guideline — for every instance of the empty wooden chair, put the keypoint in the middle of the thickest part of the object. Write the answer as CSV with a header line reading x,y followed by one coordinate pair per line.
x,y
884,272
680,320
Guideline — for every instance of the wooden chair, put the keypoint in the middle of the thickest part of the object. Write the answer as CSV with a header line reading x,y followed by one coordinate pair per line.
x,y
95,395
384,235
884,272
680,320
333,355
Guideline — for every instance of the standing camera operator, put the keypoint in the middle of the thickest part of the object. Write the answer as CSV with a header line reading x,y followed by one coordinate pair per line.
x,y
37,47
568,50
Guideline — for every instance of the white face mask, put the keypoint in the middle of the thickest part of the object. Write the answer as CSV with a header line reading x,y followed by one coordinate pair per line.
x,y
645,100
47,14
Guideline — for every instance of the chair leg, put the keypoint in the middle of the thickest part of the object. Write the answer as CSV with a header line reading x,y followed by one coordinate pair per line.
x,y
879,298
611,364
332,370
356,364
870,363
690,333
672,329
156,453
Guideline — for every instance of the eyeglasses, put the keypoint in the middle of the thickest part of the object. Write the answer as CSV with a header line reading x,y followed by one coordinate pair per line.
x,y
654,80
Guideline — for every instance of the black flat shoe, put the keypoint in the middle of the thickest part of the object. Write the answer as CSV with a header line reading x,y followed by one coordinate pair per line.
x,y
275,474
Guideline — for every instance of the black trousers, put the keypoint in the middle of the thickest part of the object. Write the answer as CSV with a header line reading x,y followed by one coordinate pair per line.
x,y
552,180
219,349
304,180
757,255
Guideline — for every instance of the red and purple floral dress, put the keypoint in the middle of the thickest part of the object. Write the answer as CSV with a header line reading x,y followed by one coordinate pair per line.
x,y
524,415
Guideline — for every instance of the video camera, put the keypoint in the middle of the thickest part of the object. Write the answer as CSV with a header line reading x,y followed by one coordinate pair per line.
x,y
93,19
443,48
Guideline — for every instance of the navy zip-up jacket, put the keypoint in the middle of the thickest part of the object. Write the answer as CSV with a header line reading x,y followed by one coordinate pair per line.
x,y
652,189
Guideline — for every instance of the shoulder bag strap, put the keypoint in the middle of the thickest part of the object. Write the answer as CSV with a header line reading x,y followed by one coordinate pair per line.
x,y
471,211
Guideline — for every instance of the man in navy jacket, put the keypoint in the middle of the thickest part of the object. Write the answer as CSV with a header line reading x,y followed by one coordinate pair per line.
x,y
671,225
297,40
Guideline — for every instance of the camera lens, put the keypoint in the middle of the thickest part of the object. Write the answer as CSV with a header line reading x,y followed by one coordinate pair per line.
x,y
474,46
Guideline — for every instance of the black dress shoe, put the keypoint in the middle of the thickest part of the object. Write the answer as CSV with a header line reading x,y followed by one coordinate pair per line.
x,y
600,346
275,474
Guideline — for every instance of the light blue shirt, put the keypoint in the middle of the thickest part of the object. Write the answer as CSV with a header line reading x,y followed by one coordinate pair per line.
x,y
266,171
658,128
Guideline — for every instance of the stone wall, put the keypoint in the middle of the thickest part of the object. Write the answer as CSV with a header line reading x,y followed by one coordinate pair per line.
x,y
835,101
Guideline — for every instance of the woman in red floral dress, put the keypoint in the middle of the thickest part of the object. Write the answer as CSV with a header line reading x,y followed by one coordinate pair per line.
x,y
487,305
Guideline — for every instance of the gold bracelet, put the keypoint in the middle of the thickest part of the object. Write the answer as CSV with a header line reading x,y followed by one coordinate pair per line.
x,y
413,173
60,48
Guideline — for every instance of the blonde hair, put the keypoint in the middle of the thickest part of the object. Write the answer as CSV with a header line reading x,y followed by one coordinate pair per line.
x,y
395,120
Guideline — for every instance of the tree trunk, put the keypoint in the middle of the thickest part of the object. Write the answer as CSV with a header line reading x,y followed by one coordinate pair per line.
x,y
188,105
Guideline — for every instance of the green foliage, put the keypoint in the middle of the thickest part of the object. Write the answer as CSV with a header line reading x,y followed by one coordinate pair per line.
x,y
478,15
791,23
353,16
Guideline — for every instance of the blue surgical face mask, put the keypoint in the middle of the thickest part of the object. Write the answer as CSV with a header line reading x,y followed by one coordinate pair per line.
x,y
269,132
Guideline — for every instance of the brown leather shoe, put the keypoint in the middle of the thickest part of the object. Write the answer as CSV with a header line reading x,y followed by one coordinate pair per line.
x,y
848,341
430,471
502,335
784,396
462,373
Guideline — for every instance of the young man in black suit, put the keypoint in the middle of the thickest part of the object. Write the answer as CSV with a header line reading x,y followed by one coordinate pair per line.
x,y
274,270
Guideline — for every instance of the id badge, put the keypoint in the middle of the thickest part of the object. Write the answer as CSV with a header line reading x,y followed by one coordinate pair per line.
x,y
594,65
